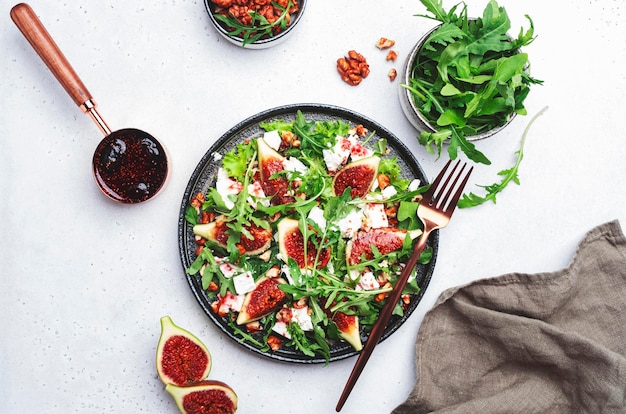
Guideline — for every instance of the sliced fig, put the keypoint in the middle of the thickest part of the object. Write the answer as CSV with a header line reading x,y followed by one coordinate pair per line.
x,y
385,239
181,358
348,326
263,300
216,231
358,175
270,163
291,244
204,397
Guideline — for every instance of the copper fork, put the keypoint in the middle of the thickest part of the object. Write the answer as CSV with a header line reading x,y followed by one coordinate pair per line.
x,y
435,209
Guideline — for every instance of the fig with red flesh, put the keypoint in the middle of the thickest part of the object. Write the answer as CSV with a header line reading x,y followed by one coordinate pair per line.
x,y
216,231
358,175
348,326
204,397
291,245
266,298
181,358
385,239
270,163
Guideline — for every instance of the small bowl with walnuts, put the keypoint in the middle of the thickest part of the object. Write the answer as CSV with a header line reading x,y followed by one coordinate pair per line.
x,y
255,24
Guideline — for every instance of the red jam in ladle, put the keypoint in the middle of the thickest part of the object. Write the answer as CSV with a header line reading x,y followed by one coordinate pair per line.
x,y
129,165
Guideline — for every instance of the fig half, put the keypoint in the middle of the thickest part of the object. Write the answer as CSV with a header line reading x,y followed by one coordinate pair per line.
x,y
291,245
181,358
216,231
263,300
385,239
270,163
348,326
204,397
358,175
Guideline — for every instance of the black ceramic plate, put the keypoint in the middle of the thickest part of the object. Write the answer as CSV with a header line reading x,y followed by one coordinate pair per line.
x,y
204,177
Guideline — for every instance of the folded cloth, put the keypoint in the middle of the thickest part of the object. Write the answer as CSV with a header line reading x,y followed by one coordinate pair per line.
x,y
530,343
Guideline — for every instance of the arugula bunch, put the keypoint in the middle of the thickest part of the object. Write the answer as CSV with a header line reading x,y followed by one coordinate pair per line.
x,y
469,77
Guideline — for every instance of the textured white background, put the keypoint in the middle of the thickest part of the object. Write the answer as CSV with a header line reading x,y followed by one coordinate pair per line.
x,y
84,281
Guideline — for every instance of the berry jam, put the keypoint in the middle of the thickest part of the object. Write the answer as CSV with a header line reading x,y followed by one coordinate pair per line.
x,y
130,166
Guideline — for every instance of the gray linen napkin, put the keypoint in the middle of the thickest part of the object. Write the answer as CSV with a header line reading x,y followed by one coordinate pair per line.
x,y
530,343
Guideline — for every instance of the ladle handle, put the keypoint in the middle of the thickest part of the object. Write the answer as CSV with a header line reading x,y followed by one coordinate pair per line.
x,y
31,27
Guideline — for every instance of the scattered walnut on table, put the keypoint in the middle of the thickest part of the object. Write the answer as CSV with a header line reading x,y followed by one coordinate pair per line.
x,y
392,55
384,43
353,68
392,74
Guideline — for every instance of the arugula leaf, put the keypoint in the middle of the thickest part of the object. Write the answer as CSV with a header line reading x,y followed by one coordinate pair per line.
x,y
508,175
469,77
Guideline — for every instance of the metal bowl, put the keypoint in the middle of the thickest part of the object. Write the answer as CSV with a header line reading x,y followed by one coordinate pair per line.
x,y
264,43
410,109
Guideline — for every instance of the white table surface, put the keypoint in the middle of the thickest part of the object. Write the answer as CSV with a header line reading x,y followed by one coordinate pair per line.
x,y
85,280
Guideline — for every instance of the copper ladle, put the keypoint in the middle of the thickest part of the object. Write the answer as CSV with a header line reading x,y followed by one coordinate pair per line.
x,y
129,165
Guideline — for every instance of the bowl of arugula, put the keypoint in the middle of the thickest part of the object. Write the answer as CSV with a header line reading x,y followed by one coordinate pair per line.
x,y
253,26
465,79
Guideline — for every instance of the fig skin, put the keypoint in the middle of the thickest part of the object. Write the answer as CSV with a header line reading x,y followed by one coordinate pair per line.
x,y
216,232
204,397
358,175
271,162
263,300
181,358
290,237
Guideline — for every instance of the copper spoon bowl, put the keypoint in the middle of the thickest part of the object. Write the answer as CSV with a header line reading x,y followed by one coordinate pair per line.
x,y
129,165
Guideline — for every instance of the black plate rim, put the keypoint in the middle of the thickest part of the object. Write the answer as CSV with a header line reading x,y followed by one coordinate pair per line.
x,y
231,135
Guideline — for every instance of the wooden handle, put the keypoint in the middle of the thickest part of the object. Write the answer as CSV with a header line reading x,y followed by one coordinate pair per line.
x,y
33,30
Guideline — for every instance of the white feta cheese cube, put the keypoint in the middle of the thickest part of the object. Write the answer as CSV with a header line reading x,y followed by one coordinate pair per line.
x,y
368,282
389,191
349,225
302,318
375,216
226,186
244,283
273,139
414,185
294,164
257,195
358,151
230,302
229,270
280,328
338,155
317,216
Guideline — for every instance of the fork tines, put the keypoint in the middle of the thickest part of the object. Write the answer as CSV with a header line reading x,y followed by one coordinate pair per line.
x,y
440,195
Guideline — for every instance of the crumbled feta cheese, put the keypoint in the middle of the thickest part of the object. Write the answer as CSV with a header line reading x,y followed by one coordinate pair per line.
x,y
217,156
294,164
244,283
338,155
272,139
367,282
285,270
229,270
354,274
375,216
317,216
280,328
257,195
389,191
349,225
228,302
301,317
226,186
414,185
358,151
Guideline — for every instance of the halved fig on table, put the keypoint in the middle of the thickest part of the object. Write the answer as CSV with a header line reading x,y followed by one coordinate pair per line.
x,y
270,163
358,175
208,396
291,245
263,300
216,231
385,239
181,357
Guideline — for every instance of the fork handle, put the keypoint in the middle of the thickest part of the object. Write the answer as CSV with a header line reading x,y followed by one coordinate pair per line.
x,y
383,318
